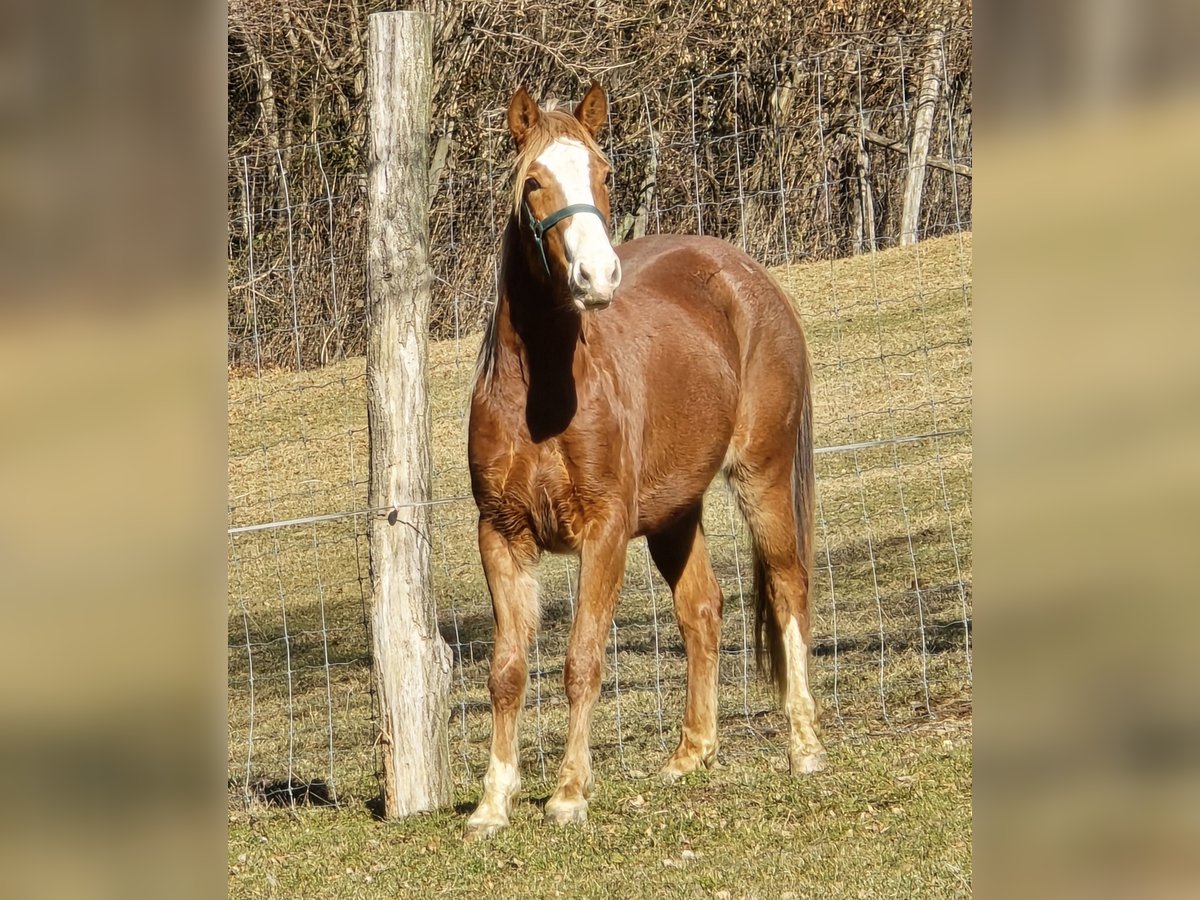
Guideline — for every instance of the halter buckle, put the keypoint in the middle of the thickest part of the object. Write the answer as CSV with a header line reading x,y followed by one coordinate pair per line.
x,y
539,228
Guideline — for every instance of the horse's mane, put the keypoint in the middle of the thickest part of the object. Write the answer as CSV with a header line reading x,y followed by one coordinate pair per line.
x,y
554,122
485,363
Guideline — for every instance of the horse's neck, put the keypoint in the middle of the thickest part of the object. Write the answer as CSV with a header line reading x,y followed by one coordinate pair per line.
x,y
535,342
533,329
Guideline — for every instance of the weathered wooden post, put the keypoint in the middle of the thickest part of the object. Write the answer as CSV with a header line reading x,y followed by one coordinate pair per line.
x,y
918,153
411,661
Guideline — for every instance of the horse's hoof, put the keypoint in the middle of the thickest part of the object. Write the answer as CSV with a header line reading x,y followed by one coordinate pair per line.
x,y
672,772
566,813
808,763
677,767
478,831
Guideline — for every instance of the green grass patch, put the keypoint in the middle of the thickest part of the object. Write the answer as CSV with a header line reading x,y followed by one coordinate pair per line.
x,y
890,818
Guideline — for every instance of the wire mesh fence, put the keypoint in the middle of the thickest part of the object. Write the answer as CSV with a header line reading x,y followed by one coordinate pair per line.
x,y
890,337
790,159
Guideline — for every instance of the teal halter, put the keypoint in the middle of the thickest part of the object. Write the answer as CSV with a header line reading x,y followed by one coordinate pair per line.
x,y
540,228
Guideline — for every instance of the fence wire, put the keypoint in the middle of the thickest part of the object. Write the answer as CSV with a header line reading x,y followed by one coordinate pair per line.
x,y
890,337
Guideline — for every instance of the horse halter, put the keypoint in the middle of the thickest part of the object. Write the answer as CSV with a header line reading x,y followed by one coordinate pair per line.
x,y
540,228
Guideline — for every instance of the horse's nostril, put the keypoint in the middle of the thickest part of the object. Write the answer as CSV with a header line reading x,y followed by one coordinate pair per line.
x,y
584,277
615,277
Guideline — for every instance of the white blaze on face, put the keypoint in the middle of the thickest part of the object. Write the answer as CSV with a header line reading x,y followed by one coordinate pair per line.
x,y
593,271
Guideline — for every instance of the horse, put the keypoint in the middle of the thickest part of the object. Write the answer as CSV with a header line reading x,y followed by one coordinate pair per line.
x,y
612,385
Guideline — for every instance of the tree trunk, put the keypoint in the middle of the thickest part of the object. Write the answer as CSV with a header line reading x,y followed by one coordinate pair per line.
x,y
269,117
411,661
866,199
634,225
918,153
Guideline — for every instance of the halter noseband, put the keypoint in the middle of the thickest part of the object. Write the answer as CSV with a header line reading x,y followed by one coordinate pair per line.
x,y
540,228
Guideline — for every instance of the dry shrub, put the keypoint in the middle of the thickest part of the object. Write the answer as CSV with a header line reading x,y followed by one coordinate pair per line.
x,y
741,118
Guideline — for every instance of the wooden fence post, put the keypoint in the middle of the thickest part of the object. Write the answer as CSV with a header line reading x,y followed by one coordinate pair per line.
x,y
918,153
411,662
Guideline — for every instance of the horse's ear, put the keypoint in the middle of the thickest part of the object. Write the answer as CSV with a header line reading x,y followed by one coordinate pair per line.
x,y
522,115
592,111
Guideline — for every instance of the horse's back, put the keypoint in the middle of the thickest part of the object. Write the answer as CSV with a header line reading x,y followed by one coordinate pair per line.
x,y
673,268
673,260
706,277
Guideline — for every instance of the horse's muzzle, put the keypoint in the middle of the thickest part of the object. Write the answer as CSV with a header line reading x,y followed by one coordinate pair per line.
x,y
592,304
594,283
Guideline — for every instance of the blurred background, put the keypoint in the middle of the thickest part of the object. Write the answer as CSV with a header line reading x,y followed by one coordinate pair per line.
x,y
1087,753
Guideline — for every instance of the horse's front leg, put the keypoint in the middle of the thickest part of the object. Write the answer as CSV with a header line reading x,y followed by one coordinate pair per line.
x,y
601,570
513,586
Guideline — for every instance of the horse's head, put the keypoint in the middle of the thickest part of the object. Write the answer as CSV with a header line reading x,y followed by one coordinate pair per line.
x,y
561,196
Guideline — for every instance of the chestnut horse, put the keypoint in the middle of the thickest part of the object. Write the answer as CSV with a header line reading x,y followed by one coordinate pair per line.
x,y
612,386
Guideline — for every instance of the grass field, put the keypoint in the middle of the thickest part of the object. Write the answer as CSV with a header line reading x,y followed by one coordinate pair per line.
x,y
890,338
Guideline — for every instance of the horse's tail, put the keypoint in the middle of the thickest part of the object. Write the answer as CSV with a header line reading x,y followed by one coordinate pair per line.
x,y
768,639
768,634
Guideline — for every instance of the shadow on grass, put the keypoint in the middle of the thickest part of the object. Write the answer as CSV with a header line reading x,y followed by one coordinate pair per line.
x,y
461,630
292,792
940,637
375,807
306,643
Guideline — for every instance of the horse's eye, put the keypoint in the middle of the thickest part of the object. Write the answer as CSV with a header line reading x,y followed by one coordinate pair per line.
x,y
531,184
608,179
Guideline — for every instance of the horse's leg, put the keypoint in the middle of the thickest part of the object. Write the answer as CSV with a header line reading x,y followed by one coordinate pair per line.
x,y
513,586
681,555
601,569
768,502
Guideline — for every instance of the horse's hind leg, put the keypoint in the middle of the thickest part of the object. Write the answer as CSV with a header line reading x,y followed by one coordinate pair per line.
x,y
680,553
781,533
513,587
